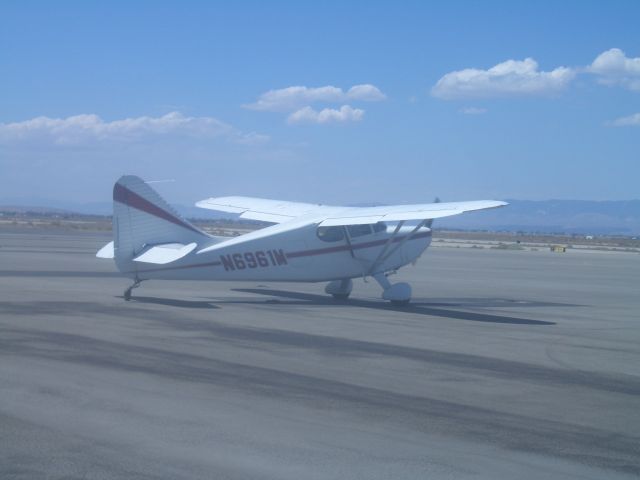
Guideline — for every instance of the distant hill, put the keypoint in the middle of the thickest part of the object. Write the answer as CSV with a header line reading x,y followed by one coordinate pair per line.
x,y
22,209
546,216
555,216
50,207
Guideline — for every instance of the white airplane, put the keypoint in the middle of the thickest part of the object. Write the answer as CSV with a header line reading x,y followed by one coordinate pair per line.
x,y
307,243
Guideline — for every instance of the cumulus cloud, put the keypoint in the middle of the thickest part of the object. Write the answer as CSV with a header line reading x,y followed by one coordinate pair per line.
x,y
90,128
473,110
346,113
630,121
510,78
613,67
293,98
365,93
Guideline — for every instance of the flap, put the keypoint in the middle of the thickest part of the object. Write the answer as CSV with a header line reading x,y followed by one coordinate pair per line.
x,y
275,211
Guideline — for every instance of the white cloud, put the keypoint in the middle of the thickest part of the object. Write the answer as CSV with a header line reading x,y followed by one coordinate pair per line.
x,y
630,121
346,113
614,68
473,110
292,98
510,78
365,93
83,129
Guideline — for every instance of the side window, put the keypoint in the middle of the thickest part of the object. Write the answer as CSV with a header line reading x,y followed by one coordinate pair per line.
x,y
379,227
358,230
330,234
335,234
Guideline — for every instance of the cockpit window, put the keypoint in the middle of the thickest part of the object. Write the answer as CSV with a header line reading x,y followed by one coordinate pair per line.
x,y
335,234
359,230
331,234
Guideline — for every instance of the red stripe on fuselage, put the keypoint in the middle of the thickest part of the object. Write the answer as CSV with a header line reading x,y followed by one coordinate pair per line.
x,y
131,199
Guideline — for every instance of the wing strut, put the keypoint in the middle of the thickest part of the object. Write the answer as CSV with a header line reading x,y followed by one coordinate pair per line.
x,y
378,260
382,257
348,238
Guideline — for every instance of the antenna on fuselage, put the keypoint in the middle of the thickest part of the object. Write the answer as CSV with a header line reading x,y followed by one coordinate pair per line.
x,y
430,222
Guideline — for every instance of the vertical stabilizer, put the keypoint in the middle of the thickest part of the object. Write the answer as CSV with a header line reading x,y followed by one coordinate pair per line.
x,y
142,218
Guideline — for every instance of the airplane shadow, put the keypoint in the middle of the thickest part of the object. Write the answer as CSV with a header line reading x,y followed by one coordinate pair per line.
x,y
171,302
440,308
444,308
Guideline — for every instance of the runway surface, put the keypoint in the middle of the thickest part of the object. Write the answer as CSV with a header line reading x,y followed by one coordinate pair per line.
x,y
508,364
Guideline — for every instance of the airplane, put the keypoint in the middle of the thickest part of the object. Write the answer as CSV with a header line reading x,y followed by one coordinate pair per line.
x,y
306,243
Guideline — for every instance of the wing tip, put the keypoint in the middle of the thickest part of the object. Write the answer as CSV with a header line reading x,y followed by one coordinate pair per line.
x,y
493,203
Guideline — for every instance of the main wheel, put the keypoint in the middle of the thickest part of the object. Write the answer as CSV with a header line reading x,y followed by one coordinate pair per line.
x,y
399,294
339,289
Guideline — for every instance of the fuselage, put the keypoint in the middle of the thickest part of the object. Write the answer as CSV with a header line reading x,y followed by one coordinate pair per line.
x,y
305,254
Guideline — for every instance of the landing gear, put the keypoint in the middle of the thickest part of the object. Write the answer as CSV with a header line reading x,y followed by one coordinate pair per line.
x,y
339,289
127,292
398,294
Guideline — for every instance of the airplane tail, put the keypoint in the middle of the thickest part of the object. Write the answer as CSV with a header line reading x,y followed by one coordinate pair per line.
x,y
142,220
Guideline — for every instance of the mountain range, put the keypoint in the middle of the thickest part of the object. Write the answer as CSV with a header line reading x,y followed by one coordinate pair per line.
x,y
542,216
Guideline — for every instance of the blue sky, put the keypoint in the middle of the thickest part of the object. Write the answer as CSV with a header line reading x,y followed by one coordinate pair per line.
x,y
445,101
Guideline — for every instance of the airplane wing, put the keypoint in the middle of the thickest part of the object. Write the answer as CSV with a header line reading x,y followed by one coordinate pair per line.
x,y
275,211
426,211
279,211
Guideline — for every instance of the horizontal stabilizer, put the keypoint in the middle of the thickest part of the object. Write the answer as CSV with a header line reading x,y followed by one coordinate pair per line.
x,y
106,251
165,253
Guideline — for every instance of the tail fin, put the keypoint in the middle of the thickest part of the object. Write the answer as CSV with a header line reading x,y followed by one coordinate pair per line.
x,y
142,218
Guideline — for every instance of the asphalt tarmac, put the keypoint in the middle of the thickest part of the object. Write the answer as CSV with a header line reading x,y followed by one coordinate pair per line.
x,y
508,364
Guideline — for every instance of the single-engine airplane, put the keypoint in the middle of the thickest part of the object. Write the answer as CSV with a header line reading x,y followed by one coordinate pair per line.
x,y
307,243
